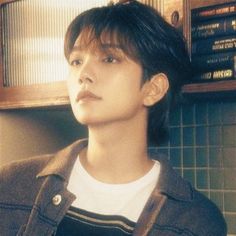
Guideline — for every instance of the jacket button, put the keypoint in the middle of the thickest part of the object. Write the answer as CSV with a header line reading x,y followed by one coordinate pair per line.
x,y
56,200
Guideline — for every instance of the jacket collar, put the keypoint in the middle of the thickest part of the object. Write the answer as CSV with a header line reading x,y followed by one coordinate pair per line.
x,y
62,162
169,183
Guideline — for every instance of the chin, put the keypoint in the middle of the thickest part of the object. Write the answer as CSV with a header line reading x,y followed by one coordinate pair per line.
x,y
82,121
85,120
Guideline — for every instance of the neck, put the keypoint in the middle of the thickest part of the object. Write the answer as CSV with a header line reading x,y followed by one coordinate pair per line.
x,y
117,153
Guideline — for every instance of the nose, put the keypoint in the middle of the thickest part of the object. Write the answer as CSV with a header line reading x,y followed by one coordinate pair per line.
x,y
87,72
85,78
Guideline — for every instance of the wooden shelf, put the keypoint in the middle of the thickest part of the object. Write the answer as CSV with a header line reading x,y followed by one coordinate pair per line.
x,y
219,91
204,3
215,89
34,96
219,86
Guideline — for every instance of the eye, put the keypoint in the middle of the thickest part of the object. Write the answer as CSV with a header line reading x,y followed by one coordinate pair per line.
x,y
110,59
76,62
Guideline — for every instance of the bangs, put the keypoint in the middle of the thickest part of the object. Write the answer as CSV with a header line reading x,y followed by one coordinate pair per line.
x,y
94,31
89,38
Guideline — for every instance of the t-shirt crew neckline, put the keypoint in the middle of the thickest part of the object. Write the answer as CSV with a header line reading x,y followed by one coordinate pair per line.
x,y
116,188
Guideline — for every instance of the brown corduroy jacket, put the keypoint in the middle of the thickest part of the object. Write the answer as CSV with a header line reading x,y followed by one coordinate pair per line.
x,y
34,199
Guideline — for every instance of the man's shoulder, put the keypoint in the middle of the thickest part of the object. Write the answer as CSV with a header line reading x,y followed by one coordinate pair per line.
x,y
18,180
209,217
198,216
203,206
27,170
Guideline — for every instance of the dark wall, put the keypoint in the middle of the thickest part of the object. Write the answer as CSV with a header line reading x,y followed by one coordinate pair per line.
x,y
26,133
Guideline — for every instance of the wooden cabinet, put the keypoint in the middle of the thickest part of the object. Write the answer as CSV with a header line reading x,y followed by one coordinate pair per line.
x,y
25,96
53,94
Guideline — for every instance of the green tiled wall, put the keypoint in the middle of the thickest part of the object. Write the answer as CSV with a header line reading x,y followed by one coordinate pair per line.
x,y
202,148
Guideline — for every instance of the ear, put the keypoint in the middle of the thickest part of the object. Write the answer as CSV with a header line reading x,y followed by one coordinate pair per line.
x,y
155,89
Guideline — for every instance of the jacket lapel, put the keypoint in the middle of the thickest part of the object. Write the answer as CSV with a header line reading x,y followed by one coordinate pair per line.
x,y
149,214
169,184
53,199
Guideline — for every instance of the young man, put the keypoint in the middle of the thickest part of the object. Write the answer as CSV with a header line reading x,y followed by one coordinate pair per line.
x,y
126,68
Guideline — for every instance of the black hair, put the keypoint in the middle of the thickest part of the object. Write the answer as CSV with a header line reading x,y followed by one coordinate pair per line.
x,y
147,38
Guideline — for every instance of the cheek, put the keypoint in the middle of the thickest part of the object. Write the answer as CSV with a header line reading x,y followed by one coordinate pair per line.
x,y
125,97
72,86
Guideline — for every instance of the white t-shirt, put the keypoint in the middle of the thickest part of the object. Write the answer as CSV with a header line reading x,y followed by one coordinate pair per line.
x,y
126,200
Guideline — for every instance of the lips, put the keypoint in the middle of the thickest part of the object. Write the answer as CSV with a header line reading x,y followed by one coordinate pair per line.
x,y
86,96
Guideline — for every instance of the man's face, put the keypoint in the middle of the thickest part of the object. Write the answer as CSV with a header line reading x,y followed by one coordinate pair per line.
x,y
104,84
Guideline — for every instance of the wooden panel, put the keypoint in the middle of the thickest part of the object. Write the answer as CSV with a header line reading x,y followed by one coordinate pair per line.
x,y
7,1
219,86
1,53
177,13
203,3
41,95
